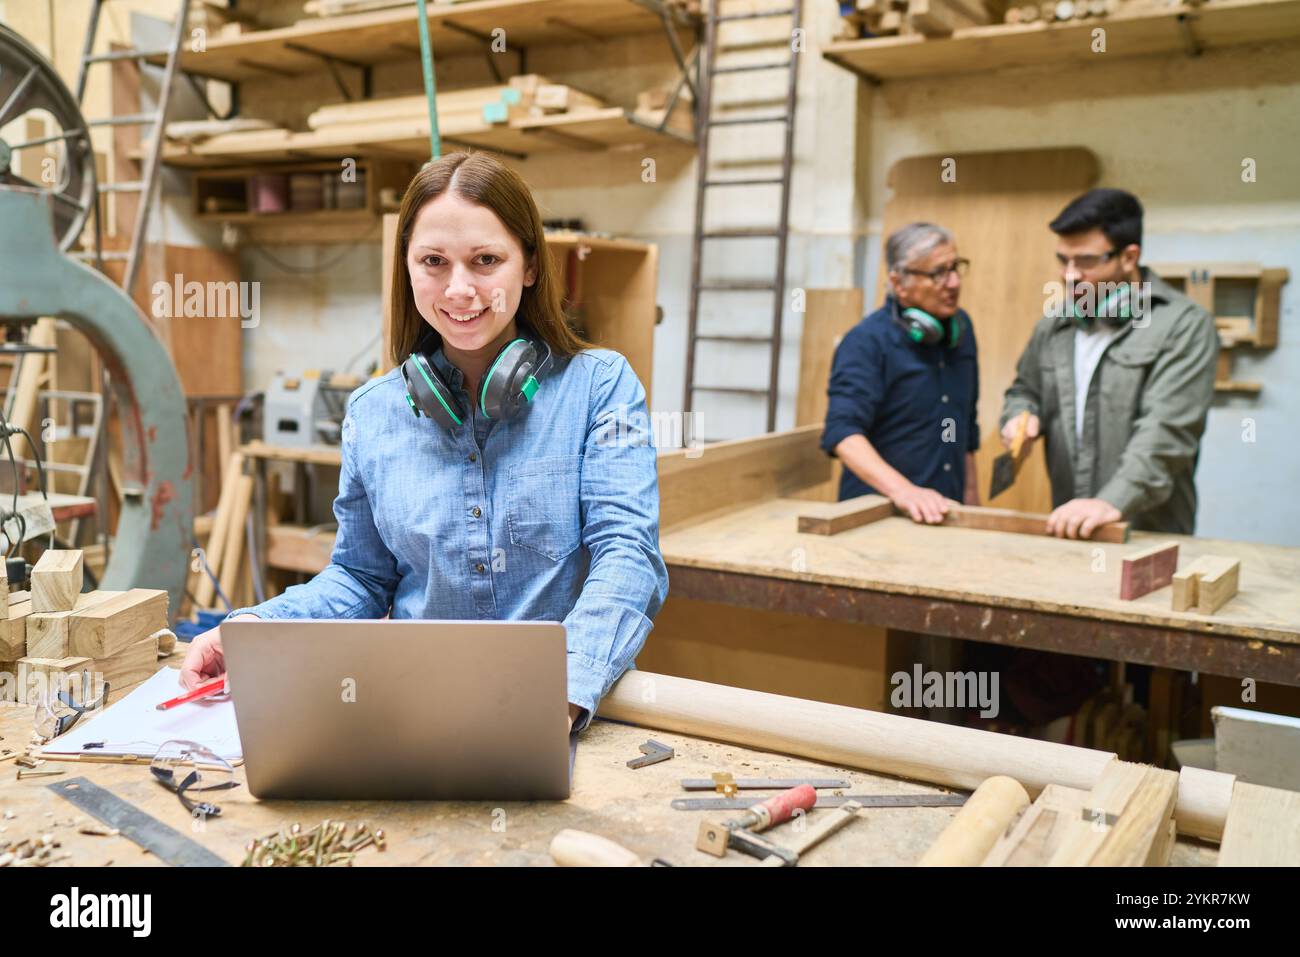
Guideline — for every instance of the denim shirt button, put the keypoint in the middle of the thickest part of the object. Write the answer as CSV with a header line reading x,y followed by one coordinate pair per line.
x,y
479,567
473,456
476,512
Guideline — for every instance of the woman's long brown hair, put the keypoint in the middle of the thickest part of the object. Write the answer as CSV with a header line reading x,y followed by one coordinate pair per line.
x,y
481,179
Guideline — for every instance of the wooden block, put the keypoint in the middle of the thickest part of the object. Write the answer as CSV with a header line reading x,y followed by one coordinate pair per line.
x,y
558,98
935,18
30,686
833,518
1024,523
1163,848
1033,839
1261,828
1143,826
13,631
57,580
1142,572
1124,815
48,633
1258,747
110,626
132,665
1205,585
8,681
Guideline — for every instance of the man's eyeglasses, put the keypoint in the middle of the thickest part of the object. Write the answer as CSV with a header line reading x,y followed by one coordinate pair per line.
x,y
1086,261
960,266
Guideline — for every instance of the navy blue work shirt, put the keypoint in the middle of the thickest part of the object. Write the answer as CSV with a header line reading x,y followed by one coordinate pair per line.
x,y
914,403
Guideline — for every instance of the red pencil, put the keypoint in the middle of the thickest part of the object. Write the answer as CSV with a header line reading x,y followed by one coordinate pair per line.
x,y
216,686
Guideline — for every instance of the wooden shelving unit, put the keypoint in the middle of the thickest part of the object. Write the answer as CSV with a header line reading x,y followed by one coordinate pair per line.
x,y
329,224
1212,25
462,28
1246,302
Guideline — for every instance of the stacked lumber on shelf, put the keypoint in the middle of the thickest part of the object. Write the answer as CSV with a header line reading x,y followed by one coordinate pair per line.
x,y
59,630
221,19
1060,11
939,18
652,106
463,111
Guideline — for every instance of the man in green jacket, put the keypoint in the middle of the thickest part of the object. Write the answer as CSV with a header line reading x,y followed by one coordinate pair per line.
x,y
1117,378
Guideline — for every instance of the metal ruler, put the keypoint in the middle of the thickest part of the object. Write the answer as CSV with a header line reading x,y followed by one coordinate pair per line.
x,y
829,800
165,843
763,784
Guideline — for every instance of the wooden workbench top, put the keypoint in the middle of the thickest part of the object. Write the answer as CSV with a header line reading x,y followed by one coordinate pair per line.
x,y
993,568
630,807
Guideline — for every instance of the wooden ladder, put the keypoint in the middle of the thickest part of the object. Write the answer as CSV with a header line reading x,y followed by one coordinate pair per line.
x,y
705,181
146,186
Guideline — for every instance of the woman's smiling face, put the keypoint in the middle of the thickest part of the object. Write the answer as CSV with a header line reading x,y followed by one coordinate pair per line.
x,y
468,273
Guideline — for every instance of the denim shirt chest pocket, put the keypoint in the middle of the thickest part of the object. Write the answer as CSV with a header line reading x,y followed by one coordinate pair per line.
x,y
542,505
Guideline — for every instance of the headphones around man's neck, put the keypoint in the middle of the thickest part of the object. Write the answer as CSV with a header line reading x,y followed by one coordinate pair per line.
x,y
923,328
1115,310
509,384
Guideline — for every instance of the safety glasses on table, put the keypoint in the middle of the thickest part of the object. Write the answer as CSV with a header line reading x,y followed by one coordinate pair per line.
x,y
57,712
187,766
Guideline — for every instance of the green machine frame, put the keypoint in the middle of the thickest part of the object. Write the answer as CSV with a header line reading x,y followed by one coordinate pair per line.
x,y
155,530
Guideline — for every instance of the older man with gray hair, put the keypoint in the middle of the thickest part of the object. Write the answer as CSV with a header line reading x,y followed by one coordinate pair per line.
x,y
904,385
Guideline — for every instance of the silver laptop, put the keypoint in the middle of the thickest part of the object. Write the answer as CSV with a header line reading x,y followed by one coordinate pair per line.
x,y
441,710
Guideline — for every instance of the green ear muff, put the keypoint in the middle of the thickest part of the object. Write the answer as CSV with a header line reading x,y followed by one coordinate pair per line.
x,y
511,380
510,383
1115,310
924,329
428,394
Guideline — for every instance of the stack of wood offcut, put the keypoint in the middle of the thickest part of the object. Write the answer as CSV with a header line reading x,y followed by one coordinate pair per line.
x,y
1059,11
56,629
462,111
931,18
334,8
652,106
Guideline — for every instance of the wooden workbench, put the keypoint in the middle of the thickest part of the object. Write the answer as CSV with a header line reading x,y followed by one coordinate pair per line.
x,y
630,807
743,548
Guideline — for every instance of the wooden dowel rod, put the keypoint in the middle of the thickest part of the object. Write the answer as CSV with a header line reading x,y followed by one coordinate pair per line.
x,y
972,833
946,755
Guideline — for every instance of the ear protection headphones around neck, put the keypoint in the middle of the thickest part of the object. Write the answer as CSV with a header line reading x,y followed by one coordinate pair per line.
x,y
923,328
1115,310
509,384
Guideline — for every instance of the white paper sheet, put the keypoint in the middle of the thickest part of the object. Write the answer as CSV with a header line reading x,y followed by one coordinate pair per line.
x,y
134,725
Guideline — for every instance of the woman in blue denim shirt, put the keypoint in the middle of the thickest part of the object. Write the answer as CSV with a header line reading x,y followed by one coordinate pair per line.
x,y
452,507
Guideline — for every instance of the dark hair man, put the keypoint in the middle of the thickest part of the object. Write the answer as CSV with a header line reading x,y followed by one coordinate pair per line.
x,y
1117,378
